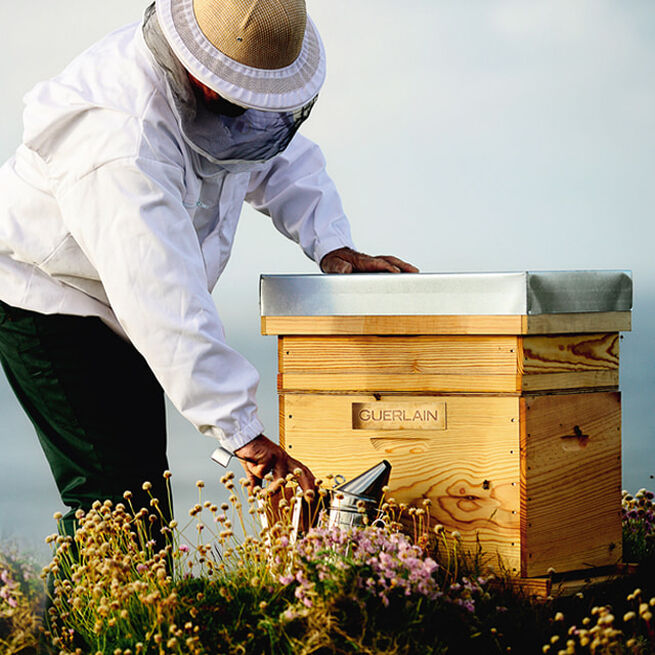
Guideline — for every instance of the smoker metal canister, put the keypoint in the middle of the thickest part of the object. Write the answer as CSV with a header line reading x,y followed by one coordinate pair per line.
x,y
366,488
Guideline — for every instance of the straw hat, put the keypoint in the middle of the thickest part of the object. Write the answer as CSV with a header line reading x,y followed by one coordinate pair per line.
x,y
263,54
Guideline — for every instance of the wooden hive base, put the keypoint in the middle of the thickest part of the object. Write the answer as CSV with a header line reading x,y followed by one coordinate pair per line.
x,y
567,584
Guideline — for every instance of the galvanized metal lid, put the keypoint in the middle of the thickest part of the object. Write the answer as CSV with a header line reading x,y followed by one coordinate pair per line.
x,y
417,294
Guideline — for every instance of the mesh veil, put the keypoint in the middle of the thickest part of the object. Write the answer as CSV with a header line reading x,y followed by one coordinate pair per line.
x,y
254,136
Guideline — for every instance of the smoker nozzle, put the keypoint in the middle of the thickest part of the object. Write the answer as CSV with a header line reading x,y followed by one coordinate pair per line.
x,y
365,489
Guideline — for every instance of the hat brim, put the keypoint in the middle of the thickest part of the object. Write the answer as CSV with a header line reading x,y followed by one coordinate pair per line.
x,y
281,89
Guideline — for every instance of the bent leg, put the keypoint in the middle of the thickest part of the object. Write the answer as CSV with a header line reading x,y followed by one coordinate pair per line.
x,y
97,408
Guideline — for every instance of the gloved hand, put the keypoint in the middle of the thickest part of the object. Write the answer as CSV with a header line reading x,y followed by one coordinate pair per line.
x,y
347,260
261,456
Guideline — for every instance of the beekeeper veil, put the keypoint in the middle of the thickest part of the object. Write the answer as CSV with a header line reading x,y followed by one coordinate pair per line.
x,y
263,55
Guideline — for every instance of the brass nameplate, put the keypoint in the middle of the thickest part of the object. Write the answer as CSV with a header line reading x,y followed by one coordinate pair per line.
x,y
399,416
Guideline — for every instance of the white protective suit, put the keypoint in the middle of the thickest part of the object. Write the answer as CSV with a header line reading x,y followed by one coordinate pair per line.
x,y
108,210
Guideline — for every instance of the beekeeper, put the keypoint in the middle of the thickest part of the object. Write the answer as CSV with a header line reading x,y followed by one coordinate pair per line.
x,y
117,216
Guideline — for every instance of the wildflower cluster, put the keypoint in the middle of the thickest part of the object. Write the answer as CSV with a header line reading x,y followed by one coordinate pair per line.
x,y
385,563
638,514
8,589
110,580
20,602
371,562
603,633
138,582
250,576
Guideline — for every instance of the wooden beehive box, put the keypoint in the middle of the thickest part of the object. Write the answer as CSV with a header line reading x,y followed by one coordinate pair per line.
x,y
493,395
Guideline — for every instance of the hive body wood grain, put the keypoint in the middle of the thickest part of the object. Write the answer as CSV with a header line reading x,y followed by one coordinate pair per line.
x,y
444,364
509,425
481,442
570,482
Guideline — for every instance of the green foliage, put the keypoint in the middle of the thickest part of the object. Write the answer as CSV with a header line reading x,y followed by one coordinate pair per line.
x,y
20,602
128,583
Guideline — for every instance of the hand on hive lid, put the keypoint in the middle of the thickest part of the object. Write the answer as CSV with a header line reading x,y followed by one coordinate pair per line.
x,y
347,260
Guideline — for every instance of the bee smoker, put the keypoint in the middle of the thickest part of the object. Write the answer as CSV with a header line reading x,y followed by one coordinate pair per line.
x,y
365,490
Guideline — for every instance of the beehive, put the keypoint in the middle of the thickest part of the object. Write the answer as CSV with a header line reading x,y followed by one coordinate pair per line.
x,y
493,395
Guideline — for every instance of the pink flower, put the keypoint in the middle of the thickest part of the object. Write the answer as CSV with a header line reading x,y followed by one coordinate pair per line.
x,y
6,596
289,615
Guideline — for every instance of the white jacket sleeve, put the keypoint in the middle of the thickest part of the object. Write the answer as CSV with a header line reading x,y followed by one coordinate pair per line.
x,y
127,216
295,190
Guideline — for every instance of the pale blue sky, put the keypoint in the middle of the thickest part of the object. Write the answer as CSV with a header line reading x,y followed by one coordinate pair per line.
x,y
464,136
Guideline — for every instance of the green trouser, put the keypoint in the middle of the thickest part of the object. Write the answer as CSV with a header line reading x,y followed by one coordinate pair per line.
x,y
97,408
